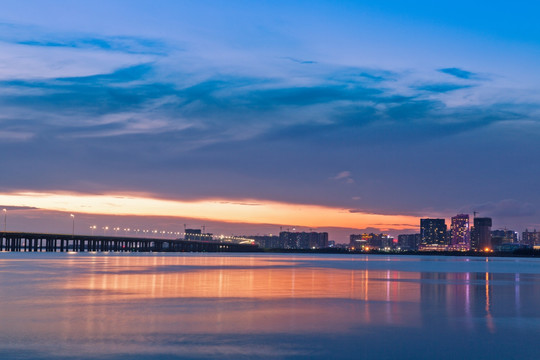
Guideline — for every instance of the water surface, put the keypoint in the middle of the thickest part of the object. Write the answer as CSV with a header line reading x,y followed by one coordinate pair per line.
x,y
234,306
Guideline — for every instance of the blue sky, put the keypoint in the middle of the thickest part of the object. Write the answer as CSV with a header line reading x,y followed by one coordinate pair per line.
x,y
407,108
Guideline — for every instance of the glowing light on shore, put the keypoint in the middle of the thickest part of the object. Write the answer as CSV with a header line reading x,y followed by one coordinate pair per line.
x,y
247,211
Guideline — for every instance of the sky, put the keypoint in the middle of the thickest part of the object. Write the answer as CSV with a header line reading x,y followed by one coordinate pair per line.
x,y
342,116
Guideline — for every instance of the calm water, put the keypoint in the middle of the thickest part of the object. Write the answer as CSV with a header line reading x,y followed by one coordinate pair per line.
x,y
193,306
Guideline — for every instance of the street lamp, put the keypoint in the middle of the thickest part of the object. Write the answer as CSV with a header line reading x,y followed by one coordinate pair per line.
x,y
73,227
5,219
93,227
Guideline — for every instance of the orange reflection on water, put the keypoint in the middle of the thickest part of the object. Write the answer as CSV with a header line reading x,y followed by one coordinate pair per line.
x,y
489,317
237,277
275,294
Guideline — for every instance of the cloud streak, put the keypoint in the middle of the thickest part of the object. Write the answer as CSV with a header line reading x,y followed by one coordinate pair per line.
x,y
136,99
344,176
459,73
38,37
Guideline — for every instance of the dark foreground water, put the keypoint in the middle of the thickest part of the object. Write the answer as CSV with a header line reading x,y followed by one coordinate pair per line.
x,y
191,306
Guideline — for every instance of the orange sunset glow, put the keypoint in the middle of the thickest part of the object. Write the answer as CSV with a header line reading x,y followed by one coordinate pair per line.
x,y
247,211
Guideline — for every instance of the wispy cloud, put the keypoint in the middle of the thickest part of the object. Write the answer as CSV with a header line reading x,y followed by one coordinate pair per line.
x,y
14,135
459,73
442,88
136,99
304,62
344,176
15,208
35,36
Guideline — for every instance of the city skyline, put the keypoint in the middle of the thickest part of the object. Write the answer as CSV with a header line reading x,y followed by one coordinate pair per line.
x,y
340,117
40,221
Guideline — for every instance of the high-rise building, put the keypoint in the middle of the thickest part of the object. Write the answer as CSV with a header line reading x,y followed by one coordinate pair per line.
x,y
267,241
530,238
449,236
375,241
387,242
481,234
461,237
408,241
318,240
432,234
475,241
371,241
499,237
303,240
358,241
363,241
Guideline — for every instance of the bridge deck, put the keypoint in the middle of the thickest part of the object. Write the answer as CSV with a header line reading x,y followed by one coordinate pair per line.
x,y
23,241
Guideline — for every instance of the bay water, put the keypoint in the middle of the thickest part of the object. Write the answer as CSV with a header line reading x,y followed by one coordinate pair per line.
x,y
267,306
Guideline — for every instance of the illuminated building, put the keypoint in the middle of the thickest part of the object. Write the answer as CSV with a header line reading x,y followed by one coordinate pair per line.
x,y
499,237
370,241
361,241
387,242
303,240
449,236
432,234
461,237
475,241
481,234
530,239
358,241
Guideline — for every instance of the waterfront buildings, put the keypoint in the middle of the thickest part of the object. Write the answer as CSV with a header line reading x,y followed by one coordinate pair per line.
x,y
435,236
408,242
481,234
499,237
267,241
292,240
371,241
530,238
387,242
461,238
359,241
432,234
303,240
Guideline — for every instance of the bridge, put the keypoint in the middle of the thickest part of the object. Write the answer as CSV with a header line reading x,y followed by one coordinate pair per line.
x,y
32,242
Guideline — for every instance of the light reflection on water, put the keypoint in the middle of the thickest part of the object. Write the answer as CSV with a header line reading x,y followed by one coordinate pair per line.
x,y
267,306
